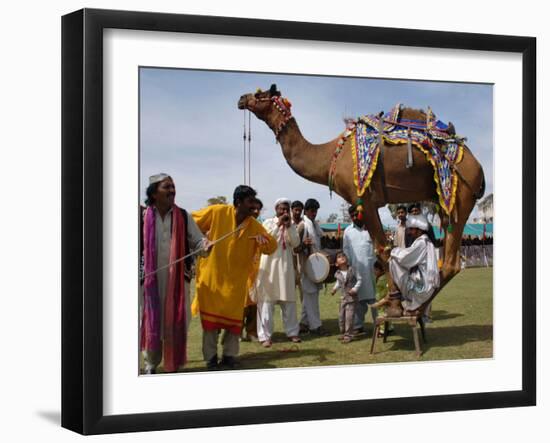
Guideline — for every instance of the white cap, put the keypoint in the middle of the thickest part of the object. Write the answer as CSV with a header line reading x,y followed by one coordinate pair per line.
x,y
282,200
417,221
158,178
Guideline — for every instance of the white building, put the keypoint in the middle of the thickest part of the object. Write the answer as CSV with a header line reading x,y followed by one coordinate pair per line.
x,y
485,210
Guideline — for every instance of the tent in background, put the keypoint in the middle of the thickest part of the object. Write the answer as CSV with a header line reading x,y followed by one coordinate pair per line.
x,y
473,229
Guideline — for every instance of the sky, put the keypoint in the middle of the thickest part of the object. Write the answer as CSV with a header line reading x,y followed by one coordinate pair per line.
x,y
191,128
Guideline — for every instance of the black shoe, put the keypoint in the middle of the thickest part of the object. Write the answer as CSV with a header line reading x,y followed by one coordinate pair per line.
x,y
228,362
304,329
212,364
320,332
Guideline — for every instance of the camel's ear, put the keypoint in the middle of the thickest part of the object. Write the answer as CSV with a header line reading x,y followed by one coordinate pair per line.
x,y
273,90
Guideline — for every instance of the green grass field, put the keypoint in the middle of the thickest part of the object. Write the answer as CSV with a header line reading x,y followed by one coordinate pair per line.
x,y
462,328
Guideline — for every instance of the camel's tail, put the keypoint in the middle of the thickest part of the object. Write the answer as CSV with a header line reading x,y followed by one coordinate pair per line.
x,y
481,191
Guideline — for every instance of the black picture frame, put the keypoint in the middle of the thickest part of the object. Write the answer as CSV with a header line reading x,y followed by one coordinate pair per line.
x,y
82,217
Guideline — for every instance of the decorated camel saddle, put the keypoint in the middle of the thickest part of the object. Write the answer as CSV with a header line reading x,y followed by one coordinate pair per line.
x,y
437,140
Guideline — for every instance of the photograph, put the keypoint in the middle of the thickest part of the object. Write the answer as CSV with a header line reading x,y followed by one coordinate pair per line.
x,y
265,221
271,221
300,221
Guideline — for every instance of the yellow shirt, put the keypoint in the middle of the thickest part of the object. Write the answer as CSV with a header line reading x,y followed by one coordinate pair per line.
x,y
221,279
250,298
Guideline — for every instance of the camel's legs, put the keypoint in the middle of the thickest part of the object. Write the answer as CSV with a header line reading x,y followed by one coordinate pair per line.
x,y
376,230
465,202
451,265
374,226
444,218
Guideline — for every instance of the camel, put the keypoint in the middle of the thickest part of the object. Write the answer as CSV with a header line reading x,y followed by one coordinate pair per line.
x,y
392,182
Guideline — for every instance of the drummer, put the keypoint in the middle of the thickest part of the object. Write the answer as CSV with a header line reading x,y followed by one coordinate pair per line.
x,y
310,234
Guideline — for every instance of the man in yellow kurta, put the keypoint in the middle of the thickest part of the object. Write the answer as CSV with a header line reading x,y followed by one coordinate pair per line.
x,y
221,280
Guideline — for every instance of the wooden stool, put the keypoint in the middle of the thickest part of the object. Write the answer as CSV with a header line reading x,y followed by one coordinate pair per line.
x,y
413,320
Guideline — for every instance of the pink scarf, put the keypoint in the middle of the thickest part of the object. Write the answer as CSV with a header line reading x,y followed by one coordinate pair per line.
x,y
175,333
282,239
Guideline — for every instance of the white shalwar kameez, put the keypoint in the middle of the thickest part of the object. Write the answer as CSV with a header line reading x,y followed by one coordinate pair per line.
x,y
311,313
415,272
276,282
357,245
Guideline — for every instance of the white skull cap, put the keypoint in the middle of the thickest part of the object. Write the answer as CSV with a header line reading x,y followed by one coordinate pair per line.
x,y
282,200
158,178
417,221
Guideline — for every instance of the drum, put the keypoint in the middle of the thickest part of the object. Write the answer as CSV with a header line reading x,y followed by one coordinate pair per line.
x,y
317,267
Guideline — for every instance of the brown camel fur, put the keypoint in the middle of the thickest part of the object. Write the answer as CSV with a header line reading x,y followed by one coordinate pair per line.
x,y
401,184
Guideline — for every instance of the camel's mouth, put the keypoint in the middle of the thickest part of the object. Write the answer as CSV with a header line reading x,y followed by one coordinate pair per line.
x,y
243,101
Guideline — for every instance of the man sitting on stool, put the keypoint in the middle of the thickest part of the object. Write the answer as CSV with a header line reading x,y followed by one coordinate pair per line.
x,y
414,269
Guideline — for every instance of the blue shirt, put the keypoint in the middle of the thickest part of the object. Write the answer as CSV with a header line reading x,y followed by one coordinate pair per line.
x,y
358,248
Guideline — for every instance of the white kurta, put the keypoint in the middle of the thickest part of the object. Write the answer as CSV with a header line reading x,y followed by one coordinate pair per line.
x,y
276,278
399,239
357,246
276,282
415,272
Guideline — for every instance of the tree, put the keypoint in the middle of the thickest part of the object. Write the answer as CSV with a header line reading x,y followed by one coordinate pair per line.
x,y
332,218
219,200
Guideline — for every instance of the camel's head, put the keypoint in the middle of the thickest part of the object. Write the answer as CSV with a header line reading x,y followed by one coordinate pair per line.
x,y
268,106
260,102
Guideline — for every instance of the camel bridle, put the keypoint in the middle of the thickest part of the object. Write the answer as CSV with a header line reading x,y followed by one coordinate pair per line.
x,y
283,107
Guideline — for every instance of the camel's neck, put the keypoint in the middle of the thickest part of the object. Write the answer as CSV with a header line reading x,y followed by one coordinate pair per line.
x,y
310,161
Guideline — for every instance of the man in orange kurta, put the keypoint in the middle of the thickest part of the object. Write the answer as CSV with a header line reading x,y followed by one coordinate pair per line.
x,y
222,277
